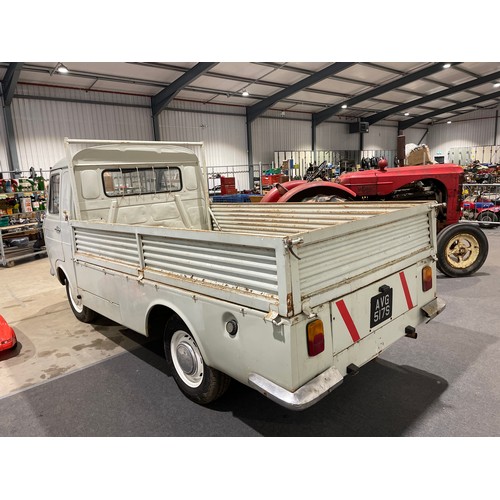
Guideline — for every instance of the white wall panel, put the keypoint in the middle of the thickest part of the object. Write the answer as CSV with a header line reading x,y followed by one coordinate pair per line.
x,y
381,138
43,116
41,125
270,135
335,136
415,136
223,135
473,129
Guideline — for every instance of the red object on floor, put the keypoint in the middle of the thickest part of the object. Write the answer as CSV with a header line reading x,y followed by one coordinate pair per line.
x,y
227,185
7,336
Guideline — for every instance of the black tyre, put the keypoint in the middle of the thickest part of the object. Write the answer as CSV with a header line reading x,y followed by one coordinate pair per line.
x,y
486,218
461,250
83,313
195,379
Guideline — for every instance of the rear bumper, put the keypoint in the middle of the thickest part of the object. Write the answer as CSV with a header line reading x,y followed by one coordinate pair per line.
x,y
302,398
324,383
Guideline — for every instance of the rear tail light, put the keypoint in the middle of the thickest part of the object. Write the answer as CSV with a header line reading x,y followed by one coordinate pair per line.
x,y
315,337
426,278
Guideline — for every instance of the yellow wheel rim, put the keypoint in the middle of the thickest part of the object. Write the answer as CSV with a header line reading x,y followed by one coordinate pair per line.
x,y
462,250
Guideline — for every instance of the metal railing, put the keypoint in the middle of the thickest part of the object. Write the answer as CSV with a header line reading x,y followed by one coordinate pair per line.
x,y
481,204
241,173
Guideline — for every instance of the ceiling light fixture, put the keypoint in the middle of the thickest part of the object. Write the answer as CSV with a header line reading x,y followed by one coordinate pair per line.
x,y
448,122
446,66
497,84
245,93
407,114
344,106
62,69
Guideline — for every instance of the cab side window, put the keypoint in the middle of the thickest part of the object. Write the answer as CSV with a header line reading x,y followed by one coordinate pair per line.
x,y
54,191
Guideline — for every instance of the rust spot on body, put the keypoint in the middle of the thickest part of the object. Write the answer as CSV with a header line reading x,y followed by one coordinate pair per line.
x,y
289,304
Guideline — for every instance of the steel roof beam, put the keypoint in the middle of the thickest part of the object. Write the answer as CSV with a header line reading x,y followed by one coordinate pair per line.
x,y
437,95
256,110
412,121
161,100
399,82
10,81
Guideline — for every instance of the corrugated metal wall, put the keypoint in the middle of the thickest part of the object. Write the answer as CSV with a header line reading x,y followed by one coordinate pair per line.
x,y
43,116
473,129
223,135
41,124
380,138
271,133
416,136
335,136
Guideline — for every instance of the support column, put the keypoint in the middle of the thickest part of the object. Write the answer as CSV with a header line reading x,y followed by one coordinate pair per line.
x,y
496,129
156,128
313,138
250,154
13,166
401,149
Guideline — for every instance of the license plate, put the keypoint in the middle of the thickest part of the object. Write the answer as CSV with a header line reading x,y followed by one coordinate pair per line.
x,y
381,306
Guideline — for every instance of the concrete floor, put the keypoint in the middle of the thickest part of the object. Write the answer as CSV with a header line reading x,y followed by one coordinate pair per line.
x,y
51,341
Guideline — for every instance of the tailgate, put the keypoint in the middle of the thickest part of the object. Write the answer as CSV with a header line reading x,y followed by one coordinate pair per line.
x,y
363,252
363,312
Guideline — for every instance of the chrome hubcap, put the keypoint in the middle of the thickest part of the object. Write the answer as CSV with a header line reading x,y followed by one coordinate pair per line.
x,y
186,358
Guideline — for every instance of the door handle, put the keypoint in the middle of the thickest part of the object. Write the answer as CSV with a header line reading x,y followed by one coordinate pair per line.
x,y
57,229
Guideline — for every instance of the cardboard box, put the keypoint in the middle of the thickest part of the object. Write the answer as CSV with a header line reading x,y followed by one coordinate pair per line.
x,y
419,156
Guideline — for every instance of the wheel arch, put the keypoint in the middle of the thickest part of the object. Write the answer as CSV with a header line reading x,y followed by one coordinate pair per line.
x,y
61,273
158,315
156,318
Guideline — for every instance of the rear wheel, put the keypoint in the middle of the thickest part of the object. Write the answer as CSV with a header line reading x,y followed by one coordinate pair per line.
x,y
486,218
195,379
83,313
461,250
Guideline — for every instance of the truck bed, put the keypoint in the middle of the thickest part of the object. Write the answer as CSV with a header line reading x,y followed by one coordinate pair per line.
x,y
270,257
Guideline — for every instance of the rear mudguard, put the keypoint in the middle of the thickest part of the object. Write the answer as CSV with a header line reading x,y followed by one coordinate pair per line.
x,y
297,191
274,194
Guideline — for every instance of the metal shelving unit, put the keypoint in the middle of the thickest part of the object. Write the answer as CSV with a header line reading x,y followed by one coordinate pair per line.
x,y
10,254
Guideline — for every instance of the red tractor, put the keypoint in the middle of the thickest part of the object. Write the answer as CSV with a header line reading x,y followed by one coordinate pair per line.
x,y
462,247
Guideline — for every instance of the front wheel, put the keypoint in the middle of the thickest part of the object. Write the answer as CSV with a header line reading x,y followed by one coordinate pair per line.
x,y
461,250
83,313
195,379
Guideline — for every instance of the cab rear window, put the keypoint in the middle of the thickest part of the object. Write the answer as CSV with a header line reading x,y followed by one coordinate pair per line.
x,y
141,180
